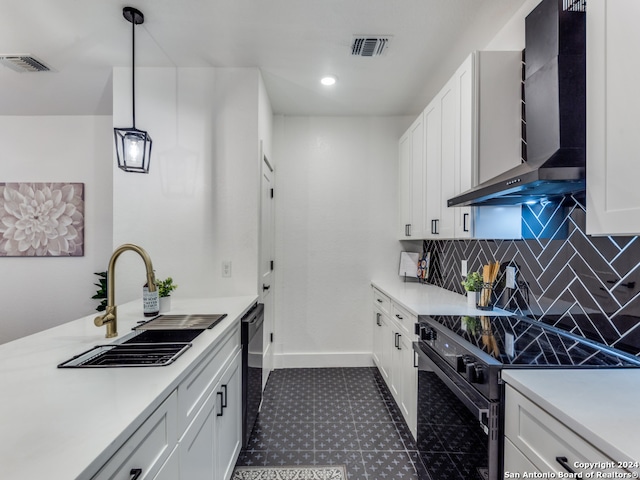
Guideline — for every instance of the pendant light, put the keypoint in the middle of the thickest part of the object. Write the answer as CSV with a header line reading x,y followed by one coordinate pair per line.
x,y
133,146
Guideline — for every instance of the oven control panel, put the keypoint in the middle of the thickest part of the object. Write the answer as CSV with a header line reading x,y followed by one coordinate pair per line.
x,y
465,360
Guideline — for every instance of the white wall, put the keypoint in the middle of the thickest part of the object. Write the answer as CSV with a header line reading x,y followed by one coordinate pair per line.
x,y
198,205
511,36
37,293
336,209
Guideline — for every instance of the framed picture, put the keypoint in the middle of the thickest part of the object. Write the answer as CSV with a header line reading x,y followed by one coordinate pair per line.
x,y
41,219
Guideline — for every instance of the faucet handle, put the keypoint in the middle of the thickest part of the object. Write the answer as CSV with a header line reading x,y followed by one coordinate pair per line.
x,y
101,320
108,319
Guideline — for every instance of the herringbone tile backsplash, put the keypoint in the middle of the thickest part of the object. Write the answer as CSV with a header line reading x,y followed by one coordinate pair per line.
x,y
587,285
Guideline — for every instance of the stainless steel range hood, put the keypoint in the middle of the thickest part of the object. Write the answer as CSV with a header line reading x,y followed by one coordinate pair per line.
x,y
555,111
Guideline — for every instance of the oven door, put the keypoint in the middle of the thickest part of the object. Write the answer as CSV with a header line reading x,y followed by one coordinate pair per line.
x,y
458,429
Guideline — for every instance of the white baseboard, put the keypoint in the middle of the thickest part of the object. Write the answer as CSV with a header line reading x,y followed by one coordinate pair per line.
x,y
323,360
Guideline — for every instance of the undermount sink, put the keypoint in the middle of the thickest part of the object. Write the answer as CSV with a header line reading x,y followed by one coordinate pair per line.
x,y
154,343
128,355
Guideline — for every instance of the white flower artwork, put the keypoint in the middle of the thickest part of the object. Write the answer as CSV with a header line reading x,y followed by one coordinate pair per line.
x,y
41,219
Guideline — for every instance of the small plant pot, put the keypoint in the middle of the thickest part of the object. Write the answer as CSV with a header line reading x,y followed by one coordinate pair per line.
x,y
472,299
165,304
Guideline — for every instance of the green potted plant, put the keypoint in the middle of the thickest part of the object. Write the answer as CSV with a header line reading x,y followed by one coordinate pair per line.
x,y
101,293
472,284
165,287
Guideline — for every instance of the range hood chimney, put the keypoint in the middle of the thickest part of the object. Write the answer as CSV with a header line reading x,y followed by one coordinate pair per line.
x,y
555,96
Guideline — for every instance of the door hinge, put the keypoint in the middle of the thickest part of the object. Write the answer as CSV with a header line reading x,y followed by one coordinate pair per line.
x,y
271,264
271,193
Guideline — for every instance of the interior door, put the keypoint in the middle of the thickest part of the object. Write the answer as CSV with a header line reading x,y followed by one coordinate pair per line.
x,y
266,287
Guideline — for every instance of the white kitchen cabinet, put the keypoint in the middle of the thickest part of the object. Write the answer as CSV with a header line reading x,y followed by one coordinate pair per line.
x,y
440,150
472,131
148,448
411,192
393,354
546,443
228,427
613,103
197,446
196,433
378,337
211,444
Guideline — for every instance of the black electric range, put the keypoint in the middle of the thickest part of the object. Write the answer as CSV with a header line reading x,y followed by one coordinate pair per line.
x,y
460,392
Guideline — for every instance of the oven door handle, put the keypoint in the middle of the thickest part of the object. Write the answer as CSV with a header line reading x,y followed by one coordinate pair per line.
x,y
473,400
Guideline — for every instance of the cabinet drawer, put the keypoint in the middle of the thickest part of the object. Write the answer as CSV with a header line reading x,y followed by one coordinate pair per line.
x,y
195,388
381,301
148,448
542,438
403,318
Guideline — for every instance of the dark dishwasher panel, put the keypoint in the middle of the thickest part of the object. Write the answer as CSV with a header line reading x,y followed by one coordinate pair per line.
x,y
252,353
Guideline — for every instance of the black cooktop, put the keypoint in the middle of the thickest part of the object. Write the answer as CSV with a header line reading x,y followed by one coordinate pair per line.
x,y
517,341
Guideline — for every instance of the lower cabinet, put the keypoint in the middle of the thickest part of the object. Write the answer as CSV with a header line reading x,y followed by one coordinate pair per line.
x,y
228,426
208,444
538,442
144,454
393,355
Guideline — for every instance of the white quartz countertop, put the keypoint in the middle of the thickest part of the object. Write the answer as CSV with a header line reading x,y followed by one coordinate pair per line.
x,y
426,299
65,423
599,405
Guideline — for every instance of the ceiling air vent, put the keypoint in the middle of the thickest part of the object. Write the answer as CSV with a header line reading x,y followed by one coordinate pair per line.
x,y
23,63
369,45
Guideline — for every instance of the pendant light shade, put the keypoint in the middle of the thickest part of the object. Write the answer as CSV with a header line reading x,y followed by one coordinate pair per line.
x,y
133,146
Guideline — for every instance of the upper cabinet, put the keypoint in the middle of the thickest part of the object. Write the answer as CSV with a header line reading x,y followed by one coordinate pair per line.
x,y
613,103
411,193
471,132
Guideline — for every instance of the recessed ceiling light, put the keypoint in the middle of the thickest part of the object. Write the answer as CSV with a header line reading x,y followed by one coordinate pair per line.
x,y
328,80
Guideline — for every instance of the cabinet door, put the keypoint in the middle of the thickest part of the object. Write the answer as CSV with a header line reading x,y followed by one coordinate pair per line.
x,y
465,173
378,337
197,446
395,384
449,125
148,448
515,462
409,384
386,335
228,428
432,177
613,76
404,185
411,190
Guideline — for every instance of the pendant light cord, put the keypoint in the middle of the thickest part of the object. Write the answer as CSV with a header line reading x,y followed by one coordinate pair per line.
x,y
133,71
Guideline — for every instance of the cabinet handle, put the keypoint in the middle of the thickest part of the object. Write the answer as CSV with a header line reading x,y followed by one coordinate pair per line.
x,y
221,412
398,342
378,300
565,464
399,317
135,473
224,401
265,287
378,315
415,360
434,226
465,222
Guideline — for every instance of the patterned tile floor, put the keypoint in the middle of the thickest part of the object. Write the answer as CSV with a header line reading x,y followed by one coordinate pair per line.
x,y
327,416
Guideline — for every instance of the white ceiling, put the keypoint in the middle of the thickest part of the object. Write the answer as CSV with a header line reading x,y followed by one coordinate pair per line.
x,y
292,42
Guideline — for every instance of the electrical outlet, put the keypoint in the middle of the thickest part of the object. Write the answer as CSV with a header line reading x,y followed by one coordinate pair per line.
x,y
511,277
226,268
463,268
